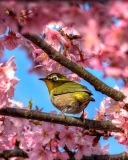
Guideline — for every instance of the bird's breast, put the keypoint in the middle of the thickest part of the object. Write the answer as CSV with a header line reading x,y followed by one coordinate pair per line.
x,y
61,101
64,100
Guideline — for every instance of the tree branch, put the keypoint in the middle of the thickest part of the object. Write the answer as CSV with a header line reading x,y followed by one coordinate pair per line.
x,y
76,68
122,156
16,152
59,119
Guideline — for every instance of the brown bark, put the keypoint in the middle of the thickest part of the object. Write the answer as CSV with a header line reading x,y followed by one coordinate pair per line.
x,y
76,68
60,119
16,152
122,156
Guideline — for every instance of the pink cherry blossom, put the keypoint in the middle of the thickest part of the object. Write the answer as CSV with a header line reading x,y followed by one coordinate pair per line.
x,y
11,41
119,121
79,138
16,104
122,139
54,38
82,150
9,68
39,152
104,150
95,63
8,81
1,49
101,38
61,155
44,133
2,28
115,72
3,142
119,12
100,115
67,138
120,136
124,113
74,77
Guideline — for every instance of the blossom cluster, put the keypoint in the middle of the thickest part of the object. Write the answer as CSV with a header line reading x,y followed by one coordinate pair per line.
x,y
46,140
92,34
7,82
39,139
117,114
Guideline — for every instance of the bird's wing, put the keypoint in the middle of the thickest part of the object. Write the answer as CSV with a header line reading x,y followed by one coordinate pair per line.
x,y
70,87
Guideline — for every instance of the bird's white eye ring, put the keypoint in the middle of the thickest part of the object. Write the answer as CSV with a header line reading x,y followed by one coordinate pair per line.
x,y
55,78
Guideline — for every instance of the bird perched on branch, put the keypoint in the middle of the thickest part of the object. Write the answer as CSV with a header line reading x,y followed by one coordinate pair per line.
x,y
67,96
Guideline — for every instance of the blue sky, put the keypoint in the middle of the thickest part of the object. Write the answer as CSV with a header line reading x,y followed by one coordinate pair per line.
x,y
30,87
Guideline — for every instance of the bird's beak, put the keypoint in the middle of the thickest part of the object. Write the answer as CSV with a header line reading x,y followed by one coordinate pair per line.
x,y
42,79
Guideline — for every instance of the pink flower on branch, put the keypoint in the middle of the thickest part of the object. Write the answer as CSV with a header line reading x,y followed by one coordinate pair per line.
x,y
11,41
60,155
115,72
7,81
104,150
44,133
2,28
54,38
100,115
82,150
118,11
39,152
67,138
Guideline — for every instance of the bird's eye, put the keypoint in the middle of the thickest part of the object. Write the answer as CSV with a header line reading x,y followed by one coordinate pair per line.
x,y
55,78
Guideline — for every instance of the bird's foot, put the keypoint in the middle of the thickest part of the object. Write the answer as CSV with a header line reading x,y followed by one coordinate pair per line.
x,y
83,116
61,113
65,109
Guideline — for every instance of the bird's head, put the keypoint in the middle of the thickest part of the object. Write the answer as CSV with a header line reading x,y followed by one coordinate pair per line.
x,y
54,80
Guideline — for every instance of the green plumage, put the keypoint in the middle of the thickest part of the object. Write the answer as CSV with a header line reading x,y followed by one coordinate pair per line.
x,y
70,87
66,95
